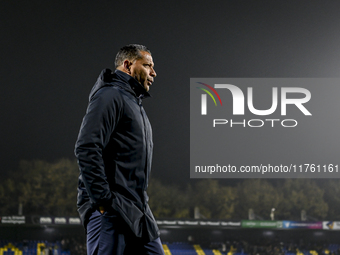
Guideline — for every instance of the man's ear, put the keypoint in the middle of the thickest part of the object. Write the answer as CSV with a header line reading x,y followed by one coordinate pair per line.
x,y
127,66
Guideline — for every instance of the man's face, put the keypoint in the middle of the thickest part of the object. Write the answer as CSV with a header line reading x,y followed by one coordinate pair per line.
x,y
142,70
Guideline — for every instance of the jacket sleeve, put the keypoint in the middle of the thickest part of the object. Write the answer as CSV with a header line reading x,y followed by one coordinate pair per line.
x,y
99,122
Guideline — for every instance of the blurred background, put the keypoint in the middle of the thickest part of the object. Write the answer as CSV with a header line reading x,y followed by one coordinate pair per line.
x,y
52,53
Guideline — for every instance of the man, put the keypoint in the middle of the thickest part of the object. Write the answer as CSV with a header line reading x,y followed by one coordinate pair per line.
x,y
114,152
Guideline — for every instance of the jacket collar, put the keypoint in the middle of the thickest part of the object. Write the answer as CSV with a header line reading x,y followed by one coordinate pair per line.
x,y
136,87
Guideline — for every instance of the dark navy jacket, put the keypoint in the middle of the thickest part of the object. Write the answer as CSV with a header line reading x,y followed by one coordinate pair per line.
x,y
114,152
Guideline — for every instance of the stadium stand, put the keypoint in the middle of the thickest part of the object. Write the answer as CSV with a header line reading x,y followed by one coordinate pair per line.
x,y
181,248
188,249
258,249
31,248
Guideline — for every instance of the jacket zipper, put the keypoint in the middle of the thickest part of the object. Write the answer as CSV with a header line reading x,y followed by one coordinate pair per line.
x,y
147,149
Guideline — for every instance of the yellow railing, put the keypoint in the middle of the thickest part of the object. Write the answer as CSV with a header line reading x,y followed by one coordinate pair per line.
x,y
231,251
217,252
199,249
166,250
10,247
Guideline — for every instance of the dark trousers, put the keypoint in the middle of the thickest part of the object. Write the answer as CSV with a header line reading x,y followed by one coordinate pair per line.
x,y
106,235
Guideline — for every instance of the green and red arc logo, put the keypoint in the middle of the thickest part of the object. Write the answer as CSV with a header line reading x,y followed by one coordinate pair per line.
x,y
209,93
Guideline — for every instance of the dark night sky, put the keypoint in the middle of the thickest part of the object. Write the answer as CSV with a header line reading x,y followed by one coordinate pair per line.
x,y
52,52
